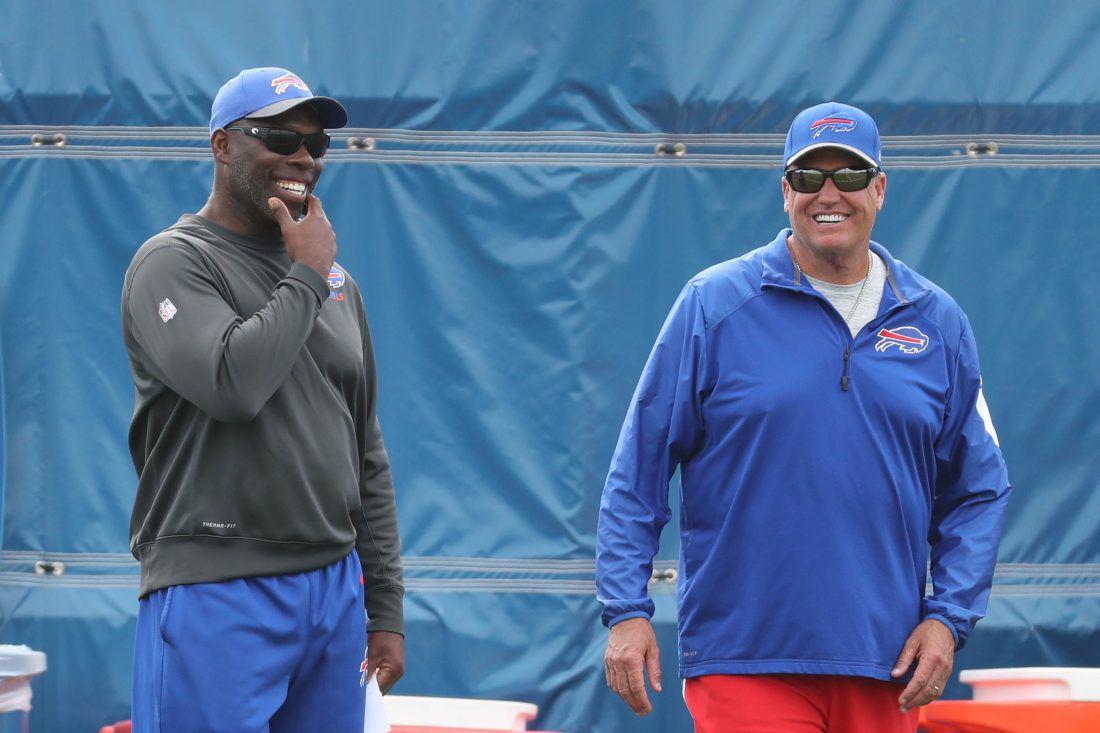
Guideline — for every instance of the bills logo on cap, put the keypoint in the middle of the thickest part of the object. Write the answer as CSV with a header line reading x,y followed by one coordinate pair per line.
x,y
836,124
284,82
908,339
166,309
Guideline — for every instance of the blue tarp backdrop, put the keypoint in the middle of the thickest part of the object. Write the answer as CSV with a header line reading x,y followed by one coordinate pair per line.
x,y
524,188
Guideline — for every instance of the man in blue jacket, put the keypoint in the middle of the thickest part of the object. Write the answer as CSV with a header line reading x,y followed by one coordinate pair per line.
x,y
824,405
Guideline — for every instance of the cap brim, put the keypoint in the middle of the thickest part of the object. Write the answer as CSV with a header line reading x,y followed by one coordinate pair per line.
x,y
331,113
840,146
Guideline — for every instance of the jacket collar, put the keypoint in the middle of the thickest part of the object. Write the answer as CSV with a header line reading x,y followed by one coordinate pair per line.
x,y
903,285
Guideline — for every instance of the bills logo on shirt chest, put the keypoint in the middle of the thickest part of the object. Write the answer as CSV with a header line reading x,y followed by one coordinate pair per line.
x,y
336,281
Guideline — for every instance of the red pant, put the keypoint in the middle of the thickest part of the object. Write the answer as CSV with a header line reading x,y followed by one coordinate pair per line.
x,y
788,703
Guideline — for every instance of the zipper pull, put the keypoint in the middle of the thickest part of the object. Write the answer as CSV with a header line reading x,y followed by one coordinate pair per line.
x,y
844,376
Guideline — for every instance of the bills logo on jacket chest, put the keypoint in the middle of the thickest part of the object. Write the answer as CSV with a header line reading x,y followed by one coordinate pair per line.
x,y
907,339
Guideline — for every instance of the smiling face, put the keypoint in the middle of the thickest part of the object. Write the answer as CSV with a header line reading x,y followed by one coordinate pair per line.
x,y
249,174
832,228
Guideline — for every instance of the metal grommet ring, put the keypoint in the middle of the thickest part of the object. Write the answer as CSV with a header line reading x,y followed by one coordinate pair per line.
x,y
669,575
983,148
57,139
42,567
362,143
663,149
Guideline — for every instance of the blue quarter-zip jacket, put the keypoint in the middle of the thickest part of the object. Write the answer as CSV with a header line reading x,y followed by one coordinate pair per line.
x,y
820,474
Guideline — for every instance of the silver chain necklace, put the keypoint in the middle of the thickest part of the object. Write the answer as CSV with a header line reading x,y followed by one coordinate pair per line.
x,y
859,295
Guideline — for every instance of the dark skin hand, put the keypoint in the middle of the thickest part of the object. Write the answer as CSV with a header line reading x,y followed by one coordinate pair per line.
x,y
310,241
932,646
385,652
632,653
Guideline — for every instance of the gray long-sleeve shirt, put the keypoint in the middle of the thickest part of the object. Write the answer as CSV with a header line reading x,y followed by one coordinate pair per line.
x,y
255,434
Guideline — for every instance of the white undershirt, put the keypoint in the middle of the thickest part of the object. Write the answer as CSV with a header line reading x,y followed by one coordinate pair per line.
x,y
843,297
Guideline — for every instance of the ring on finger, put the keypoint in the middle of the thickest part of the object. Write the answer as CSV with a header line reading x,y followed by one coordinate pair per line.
x,y
936,689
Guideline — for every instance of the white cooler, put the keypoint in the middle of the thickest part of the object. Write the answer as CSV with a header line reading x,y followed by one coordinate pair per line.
x,y
1023,684
18,664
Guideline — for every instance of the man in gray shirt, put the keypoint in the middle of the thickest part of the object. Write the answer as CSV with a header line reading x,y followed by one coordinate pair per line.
x,y
265,517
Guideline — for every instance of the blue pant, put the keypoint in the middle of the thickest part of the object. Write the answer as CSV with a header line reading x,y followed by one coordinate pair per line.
x,y
277,654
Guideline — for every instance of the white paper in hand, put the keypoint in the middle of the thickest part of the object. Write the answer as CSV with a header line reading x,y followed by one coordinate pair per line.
x,y
376,720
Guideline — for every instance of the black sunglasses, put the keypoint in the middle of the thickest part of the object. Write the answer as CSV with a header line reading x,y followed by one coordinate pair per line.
x,y
287,142
811,180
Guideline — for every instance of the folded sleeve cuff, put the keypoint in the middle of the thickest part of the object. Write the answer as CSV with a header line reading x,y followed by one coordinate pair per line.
x,y
617,612
626,617
385,609
307,275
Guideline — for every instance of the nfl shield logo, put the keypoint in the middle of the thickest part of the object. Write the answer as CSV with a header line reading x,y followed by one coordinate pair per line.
x,y
166,310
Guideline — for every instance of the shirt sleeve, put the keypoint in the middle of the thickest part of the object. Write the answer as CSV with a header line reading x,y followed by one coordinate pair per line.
x,y
971,494
378,541
192,339
663,428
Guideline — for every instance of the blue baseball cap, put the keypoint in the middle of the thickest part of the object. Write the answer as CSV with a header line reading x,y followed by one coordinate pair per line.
x,y
267,92
833,125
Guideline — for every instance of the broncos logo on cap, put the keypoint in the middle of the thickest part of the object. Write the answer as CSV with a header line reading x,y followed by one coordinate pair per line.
x,y
284,82
908,339
836,124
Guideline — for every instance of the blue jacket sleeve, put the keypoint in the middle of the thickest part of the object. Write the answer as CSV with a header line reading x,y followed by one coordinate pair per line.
x,y
968,509
663,427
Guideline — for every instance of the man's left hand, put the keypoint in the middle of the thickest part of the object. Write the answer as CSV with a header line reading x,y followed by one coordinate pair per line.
x,y
386,657
932,646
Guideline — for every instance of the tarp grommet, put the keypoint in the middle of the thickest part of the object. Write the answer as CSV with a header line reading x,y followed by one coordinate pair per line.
x,y
44,567
663,149
362,143
667,575
57,139
981,148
